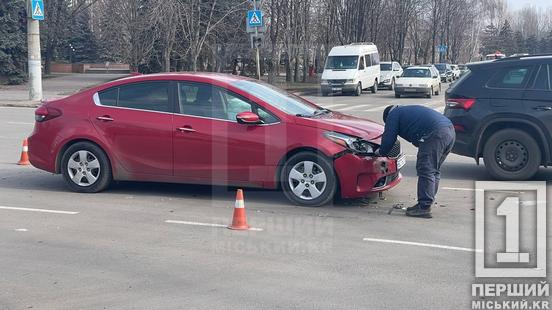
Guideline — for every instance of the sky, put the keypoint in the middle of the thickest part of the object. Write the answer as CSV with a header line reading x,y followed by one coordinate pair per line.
x,y
518,4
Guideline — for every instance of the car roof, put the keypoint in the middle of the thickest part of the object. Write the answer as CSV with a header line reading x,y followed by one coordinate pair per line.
x,y
419,67
530,60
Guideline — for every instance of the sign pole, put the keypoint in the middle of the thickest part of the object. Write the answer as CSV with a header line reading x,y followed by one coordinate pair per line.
x,y
33,53
257,53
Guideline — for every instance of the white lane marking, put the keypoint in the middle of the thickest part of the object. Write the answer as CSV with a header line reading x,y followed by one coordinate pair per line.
x,y
429,245
331,106
20,123
206,224
355,107
39,210
376,109
479,190
21,229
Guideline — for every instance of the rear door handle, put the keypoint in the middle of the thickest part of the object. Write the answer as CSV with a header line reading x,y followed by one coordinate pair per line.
x,y
186,129
542,108
105,118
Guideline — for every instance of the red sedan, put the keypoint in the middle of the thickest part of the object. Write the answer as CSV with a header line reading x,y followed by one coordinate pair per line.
x,y
210,129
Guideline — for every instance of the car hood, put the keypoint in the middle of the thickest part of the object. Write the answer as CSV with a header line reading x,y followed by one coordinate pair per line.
x,y
359,127
345,74
384,75
413,81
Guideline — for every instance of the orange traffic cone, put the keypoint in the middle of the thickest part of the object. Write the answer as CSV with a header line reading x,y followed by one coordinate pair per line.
x,y
24,161
239,221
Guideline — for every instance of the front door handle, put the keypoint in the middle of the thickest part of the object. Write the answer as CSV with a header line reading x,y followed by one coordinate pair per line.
x,y
542,108
186,129
105,118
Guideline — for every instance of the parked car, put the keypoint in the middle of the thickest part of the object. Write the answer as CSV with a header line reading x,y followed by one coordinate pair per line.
x,y
455,72
418,80
445,71
390,71
463,69
210,129
351,69
502,112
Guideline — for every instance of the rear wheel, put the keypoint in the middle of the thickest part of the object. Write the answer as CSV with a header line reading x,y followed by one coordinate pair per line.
x,y
512,154
308,179
86,168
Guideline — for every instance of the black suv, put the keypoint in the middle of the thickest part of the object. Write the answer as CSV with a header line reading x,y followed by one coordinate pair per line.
x,y
502,112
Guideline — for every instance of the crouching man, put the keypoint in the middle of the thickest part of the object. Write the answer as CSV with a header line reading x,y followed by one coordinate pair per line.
x,y
434,136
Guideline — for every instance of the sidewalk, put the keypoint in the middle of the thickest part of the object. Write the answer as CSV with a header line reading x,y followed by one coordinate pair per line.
x,y
54,86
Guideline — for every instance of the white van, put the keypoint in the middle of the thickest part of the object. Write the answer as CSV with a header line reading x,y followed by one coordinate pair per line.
x,y
350,69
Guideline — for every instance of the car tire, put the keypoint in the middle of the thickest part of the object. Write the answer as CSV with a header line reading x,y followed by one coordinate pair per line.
x,y
392,87
322,169
512,155
397,95
438,91
325,94
374,88
430,93
88,161
358,90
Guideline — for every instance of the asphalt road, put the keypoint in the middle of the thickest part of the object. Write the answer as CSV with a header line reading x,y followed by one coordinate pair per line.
x,y
115,250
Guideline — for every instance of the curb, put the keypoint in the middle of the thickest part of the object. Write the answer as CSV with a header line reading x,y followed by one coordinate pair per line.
x,y
20,104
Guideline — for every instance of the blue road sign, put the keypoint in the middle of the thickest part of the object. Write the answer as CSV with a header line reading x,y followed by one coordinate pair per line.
x,y
442,48
255,18
37,7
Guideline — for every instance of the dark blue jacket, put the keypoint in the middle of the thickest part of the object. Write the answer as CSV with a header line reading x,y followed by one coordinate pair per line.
x,y
412,123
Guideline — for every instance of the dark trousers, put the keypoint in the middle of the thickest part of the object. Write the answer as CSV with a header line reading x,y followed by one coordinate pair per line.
x,y
431,155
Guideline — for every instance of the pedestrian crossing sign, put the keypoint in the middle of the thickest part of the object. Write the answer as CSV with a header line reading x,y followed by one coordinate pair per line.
x,y
255,18
37,7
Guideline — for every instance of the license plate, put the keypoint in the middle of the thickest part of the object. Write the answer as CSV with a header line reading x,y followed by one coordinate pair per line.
x,y
410,90
336,88
401,161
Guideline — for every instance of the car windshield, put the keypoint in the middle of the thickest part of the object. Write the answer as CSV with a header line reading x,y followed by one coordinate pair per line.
x,y
342,62
421,73
386,67
441,67
278,98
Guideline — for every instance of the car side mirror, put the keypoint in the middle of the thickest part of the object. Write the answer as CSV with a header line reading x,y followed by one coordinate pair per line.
x,y
248,118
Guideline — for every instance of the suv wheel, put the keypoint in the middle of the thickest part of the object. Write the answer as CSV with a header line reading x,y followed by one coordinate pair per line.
x,y
86,168
512,154
308,179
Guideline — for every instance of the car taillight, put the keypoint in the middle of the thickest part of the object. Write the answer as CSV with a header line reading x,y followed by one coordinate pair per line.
x,y
43,113
460,103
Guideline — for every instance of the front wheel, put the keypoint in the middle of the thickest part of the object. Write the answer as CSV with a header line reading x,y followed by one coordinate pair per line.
x,y
86,168
358,90
374,88
308,179
512,155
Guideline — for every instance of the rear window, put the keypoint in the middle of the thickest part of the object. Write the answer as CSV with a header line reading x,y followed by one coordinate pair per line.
x,y
542,80
422,73
511,77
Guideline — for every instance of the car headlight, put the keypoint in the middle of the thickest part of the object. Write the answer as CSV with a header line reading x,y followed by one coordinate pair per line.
x,y
386,80
353,144
349,81
324,82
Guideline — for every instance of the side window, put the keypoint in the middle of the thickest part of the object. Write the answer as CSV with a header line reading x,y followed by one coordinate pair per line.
x,y
361,63
109,97
512,77
375,59
199,99
368,60
150,96
236,104
542,81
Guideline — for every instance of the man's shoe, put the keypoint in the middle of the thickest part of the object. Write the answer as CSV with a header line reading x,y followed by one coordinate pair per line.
x,y
412,208
418,211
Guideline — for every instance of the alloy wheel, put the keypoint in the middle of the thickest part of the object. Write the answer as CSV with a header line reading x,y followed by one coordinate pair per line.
x,y
307,180
83,168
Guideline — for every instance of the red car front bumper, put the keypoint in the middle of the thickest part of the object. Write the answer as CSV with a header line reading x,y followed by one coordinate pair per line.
x,y
360,176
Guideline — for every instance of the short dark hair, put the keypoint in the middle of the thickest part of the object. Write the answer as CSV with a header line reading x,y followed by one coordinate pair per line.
x,y
386,112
